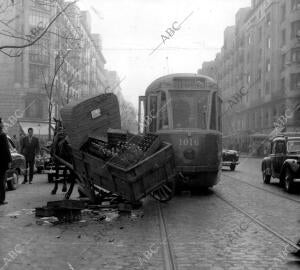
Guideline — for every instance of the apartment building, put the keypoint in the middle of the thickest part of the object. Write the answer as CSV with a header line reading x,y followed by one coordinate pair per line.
x,y
67,61
261,56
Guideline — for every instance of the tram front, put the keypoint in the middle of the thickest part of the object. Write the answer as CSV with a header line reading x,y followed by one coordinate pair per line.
x,y
186,111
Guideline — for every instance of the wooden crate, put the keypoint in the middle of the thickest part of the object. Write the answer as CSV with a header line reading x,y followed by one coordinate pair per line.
x,y
131,183
139,180
91,117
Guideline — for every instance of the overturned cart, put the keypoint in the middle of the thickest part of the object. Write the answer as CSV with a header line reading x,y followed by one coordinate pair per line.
x,y
108,159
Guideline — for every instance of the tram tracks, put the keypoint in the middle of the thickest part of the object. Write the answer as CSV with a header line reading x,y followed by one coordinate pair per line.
x,y
167,250
260,188
260,223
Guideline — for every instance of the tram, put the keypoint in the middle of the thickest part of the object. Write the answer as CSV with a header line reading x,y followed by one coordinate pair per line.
x,y
185,110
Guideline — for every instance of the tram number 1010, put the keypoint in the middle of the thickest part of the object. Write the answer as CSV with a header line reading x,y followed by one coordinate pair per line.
x,y
188,142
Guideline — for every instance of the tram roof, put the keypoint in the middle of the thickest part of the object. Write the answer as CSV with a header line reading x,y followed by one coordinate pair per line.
x,y
168,78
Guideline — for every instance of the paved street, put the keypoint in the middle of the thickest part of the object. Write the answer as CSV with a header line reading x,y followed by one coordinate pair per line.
x,y
204,230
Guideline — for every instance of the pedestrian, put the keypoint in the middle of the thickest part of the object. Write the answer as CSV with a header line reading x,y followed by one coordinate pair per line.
x,y
5,161
30,147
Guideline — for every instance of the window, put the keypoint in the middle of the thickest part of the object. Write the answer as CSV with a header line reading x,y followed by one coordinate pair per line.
x,y
266,119
37,18
268,19
282,84
269,43
283,12
260,53
280,147
259,93
190,109
36,74
248,79
213,118
283,58
259,75
220,116
268,65
43,4
283,37
163,112
295,55
259,34
34,107
295,81
267,88
295,4
295,33
152,113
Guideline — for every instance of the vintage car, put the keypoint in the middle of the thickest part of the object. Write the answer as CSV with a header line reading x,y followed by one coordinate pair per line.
x,y
17,167
230,158
42,161
283,162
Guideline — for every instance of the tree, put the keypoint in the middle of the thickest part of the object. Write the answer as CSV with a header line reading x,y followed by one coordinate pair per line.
x,y
128,116
49,86
17,40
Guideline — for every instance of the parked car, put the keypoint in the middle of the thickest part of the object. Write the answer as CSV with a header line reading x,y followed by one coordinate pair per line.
x,y
230,158
283,162
17,166
42,161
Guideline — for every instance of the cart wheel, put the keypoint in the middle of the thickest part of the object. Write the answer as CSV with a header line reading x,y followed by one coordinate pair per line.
x,y
165,192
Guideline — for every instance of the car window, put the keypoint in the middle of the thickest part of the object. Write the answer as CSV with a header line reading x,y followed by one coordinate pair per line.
x,y
293,146
273,148
280,147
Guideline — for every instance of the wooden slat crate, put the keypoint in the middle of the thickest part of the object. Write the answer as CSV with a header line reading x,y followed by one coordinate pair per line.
x,y
91,117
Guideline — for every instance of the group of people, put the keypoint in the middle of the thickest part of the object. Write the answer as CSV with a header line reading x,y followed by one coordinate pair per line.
x,y
29,146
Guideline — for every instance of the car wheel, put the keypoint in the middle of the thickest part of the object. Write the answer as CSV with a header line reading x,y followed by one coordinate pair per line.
x,y
266,178
13,183
288,180
232,167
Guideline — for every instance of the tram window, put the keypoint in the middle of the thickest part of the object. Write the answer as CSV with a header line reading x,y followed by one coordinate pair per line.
x,y
152,113
219,112
213,118
163,112
189,109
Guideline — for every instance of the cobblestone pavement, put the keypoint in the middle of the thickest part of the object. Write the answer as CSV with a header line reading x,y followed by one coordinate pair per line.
x,y
204,231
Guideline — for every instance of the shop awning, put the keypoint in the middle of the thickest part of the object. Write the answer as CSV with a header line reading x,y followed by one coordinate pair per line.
x,y
39,128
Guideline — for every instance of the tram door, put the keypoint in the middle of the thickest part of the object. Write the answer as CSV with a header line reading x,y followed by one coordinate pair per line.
x,y
152,113
147,114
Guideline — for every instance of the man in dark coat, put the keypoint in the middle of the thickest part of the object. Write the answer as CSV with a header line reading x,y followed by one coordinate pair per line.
x,y
5,160
30,147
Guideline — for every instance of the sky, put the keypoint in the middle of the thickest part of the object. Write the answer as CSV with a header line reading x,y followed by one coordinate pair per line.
x,y
131,30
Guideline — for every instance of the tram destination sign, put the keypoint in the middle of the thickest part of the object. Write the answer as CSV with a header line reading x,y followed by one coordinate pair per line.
x,y
192,83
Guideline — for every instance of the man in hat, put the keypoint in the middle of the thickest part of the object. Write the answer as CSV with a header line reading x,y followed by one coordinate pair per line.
x,y
5,161
30,147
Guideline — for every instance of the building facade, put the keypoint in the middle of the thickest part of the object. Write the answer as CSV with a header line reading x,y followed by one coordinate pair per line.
x,y
64,65
259,63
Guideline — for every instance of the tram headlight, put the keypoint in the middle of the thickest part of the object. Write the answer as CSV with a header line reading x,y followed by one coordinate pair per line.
x,y
189,154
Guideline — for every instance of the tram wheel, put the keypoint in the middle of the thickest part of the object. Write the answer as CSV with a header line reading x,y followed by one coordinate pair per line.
x,y
165,192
